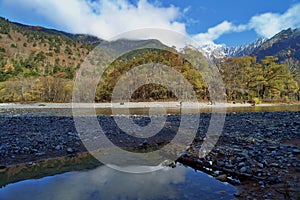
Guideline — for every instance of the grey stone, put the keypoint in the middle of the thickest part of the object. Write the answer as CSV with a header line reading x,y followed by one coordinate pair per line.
x,y
296,151
260,165
58,147
243,169
222,177
70,150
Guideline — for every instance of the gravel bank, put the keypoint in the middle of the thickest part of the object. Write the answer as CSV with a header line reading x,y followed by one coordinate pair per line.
x,y
258,151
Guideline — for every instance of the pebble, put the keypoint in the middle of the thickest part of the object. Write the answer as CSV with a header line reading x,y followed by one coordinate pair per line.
x,y
243,169
58,147
222,177
70,150
274,180
260,165
261,183
296,151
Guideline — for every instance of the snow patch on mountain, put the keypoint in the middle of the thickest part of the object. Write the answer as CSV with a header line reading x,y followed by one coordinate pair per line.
x,y
213,50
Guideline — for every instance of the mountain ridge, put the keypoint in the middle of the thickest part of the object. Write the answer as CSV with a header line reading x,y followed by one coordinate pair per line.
x,y
284,45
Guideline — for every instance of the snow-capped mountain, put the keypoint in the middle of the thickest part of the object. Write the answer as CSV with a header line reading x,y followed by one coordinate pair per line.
x,y
213,50
219,51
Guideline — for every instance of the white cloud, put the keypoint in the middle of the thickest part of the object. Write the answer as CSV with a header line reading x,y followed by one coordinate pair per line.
x,y
216,31
105,18
268,24
108,18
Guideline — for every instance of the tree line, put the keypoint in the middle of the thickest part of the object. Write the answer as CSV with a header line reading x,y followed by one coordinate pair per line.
x,y
245,78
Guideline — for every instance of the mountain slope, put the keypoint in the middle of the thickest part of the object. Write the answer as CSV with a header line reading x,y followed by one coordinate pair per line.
x,y
283,45
40,51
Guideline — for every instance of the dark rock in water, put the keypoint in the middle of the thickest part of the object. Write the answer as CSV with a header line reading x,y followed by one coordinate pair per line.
x,y
237,194
70,150
169,163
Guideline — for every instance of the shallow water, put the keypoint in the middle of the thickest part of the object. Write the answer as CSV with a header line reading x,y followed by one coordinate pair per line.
x,y
105,183
44,111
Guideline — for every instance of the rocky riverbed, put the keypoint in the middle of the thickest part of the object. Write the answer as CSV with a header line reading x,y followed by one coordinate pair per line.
x,y
259,151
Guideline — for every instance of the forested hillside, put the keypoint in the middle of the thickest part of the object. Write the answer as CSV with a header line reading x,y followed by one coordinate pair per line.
x,y
39,65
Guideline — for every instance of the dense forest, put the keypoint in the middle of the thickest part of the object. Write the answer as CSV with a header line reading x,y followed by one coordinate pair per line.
x,y
39,65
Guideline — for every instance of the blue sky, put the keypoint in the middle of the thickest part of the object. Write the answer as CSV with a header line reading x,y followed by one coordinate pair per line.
x,y
230,22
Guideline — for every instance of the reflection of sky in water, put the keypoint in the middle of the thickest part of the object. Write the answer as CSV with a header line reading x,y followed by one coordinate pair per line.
x,y
106,183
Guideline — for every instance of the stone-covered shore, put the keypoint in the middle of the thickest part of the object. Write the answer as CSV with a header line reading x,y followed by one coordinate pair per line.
x,y
259,152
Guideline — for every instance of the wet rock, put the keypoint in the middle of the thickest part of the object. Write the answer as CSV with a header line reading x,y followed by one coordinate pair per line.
x,y
229,166
274,180
237,194
243,170
58,147
272,148
145,143
265,162
186,154
260,165
222,177
169,163
70,150
220,163
242,164
39,153
273,153
29,163
261,183
274,165
296,151
2,168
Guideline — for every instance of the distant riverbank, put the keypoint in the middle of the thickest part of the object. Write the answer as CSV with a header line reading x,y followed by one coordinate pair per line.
x,y
134,105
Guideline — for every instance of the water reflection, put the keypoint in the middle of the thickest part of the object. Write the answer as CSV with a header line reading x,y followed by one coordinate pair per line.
x,y
106,183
